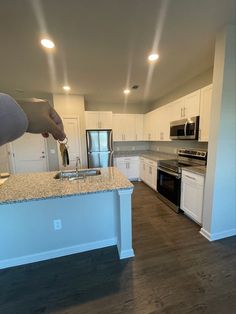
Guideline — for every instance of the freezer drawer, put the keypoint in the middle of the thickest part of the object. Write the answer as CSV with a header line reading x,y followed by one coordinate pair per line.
x,y
100,159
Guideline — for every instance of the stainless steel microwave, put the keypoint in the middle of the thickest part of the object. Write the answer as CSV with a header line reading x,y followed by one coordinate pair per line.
x,y
185,129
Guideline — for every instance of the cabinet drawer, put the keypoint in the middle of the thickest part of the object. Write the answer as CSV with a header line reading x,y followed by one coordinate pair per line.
x,y
150,162
192,177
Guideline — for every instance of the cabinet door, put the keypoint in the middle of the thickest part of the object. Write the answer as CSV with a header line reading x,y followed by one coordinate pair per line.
x,y
117,127
129,127
205,111
121,164
91,120
150,125
154,178
105,120
133,169
147,126
177,112
192,195
192,104
139,136
163,124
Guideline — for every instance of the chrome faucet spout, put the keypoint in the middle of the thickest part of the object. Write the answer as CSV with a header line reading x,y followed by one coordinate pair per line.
x,y
77,164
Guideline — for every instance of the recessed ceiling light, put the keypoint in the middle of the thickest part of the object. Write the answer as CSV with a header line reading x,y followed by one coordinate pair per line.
x,y
66,88
153,57
47,43
126,91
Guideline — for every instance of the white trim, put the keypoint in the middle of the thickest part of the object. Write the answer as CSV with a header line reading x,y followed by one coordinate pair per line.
x,y
126,253
218,235
27,259
125,191
79,141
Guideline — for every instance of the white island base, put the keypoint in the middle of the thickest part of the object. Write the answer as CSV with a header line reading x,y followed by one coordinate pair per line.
x,y
88,221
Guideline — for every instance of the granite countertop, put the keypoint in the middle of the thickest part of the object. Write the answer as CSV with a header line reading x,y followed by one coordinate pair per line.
x,y
196,169
42,185
155,156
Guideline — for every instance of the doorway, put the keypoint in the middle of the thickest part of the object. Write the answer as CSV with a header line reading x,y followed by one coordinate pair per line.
x,y
72,130
29,154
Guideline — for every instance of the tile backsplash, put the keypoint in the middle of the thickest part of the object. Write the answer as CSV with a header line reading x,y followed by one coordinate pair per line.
x,y
165,147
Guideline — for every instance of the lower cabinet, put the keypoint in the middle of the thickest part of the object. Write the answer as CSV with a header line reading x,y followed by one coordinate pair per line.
x,y
148,172
192,187
129,166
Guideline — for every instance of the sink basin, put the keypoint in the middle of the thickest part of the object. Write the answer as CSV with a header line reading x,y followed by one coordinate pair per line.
x,y
75,175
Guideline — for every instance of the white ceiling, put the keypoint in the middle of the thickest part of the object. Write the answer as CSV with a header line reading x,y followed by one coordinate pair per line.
x,y
98,42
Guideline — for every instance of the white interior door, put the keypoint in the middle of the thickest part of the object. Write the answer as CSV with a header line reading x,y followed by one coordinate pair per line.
x,y
4,159
72,130
29,153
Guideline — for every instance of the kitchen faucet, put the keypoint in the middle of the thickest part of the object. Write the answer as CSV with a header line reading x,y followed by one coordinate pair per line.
x,y
77,164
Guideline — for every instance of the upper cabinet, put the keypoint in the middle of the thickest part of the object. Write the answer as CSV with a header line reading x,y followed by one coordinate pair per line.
x,y
205,110
98,120
191,104
127,127
163,123
185,107
150,125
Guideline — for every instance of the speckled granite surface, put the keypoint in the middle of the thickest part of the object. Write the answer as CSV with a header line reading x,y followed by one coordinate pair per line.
x,y
197,169
35,186
155,156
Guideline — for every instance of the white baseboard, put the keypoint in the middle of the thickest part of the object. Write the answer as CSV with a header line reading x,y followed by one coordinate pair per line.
x,y
27,259
218,235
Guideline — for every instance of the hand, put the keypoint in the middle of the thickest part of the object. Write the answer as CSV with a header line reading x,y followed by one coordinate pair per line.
x,y
42,118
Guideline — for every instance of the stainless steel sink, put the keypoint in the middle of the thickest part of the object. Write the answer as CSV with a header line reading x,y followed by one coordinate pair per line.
x,y
76,175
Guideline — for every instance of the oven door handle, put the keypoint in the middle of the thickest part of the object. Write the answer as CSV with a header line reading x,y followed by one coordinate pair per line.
x,y
176,175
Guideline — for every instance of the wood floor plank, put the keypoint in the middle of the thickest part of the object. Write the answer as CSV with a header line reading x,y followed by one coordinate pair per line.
x,y
175,270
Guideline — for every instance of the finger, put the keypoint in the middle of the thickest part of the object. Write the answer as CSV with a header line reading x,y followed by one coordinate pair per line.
x,y
56,118
56,131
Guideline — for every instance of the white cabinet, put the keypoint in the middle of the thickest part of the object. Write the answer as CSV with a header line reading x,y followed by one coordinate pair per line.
x,y
148,172
163,123
192,187
127,127
138,127
98,120
205,111
129,166
150,125
185,107
191,104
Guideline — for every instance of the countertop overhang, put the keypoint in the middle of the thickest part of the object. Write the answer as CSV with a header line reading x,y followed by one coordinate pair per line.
x,y
42,185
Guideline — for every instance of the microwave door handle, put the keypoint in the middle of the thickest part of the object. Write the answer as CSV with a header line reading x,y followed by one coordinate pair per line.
x,y
185,128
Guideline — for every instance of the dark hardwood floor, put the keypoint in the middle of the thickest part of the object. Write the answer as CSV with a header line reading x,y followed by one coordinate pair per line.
x,y
175,270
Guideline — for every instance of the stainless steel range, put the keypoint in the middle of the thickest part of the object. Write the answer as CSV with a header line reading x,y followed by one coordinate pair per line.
x,y
169,174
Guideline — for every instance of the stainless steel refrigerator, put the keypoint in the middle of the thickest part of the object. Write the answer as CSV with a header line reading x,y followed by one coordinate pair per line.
x,y
99,148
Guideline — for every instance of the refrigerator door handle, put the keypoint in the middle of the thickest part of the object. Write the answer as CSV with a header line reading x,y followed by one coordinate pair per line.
x,y
111,160
88,142
110,140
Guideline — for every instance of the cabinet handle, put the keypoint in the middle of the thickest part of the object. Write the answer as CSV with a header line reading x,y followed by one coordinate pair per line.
x,y
199,134
192,178
181,114
184,111
124,136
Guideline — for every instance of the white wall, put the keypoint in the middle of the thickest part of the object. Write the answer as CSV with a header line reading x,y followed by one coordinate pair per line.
x,y
219,219
73,105
195,83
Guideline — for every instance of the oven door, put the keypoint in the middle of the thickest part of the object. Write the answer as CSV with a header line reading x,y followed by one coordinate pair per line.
x,y
169,185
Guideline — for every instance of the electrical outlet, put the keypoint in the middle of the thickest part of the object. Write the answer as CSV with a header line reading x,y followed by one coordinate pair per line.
x,y
158,148
57,224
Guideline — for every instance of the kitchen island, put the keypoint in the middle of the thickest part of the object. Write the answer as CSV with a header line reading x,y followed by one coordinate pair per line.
x,y
43,218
